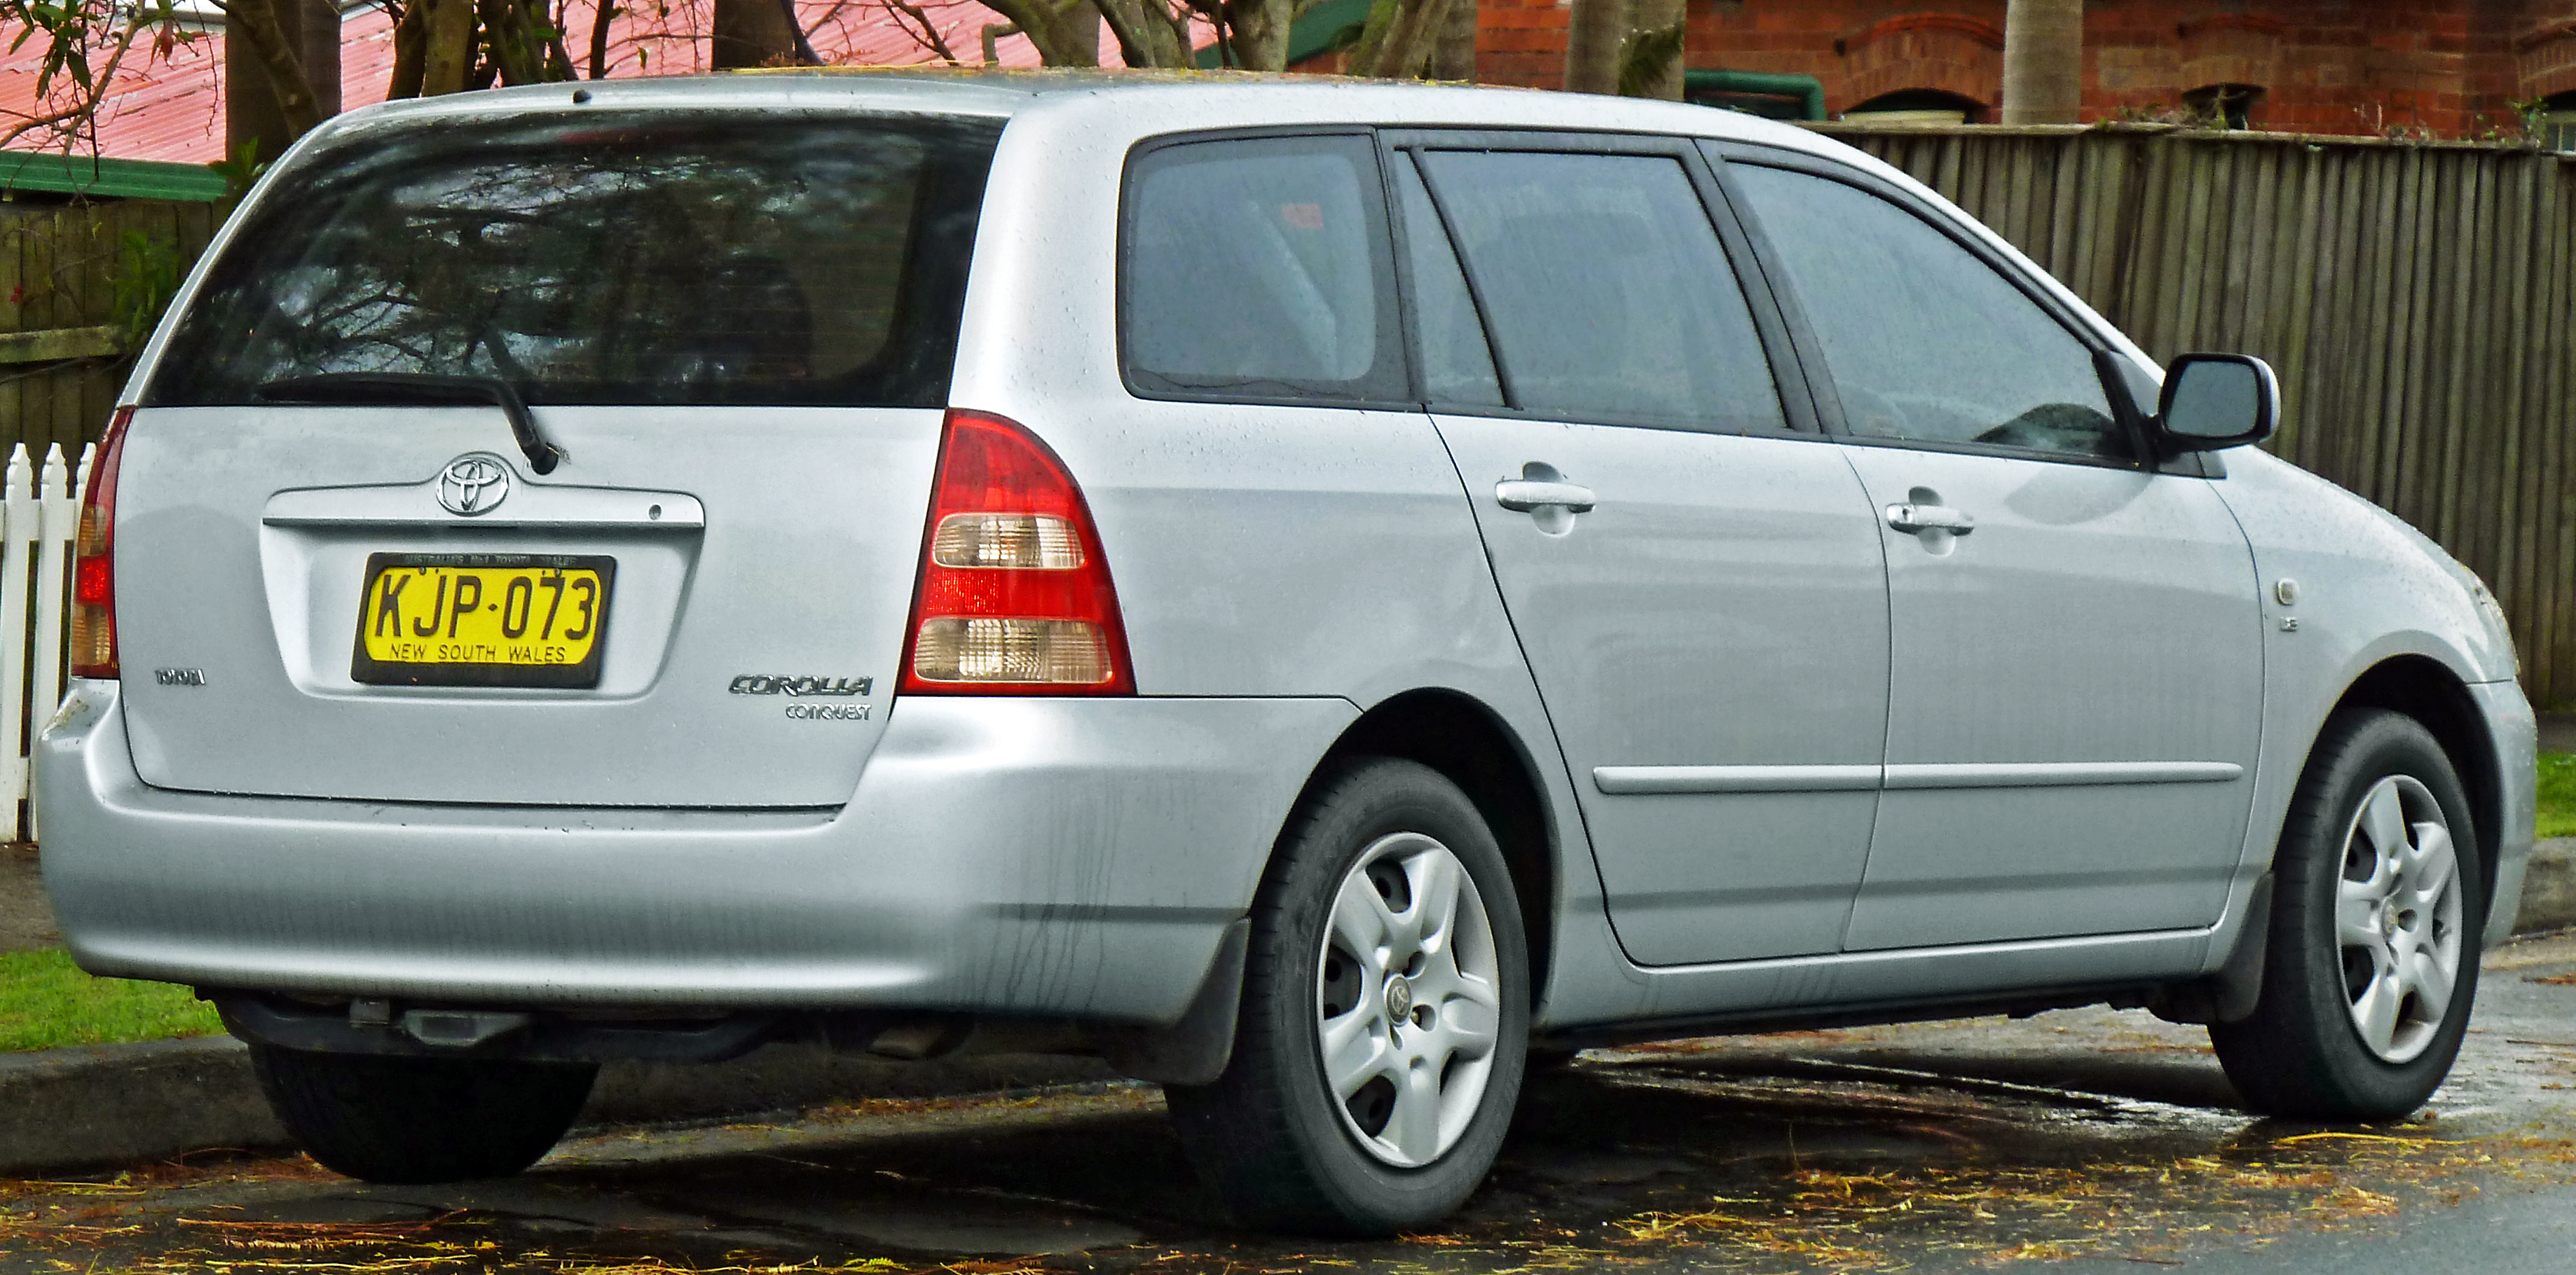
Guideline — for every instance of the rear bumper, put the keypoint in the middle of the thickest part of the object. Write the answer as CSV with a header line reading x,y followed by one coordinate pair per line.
x,y
1076,858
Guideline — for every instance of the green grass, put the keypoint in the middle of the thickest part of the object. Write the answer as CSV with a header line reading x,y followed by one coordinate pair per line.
x,y
46,1003
2558,795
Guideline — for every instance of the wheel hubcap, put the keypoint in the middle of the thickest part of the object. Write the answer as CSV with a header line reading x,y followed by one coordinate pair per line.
x,y
1408,1003
2397,918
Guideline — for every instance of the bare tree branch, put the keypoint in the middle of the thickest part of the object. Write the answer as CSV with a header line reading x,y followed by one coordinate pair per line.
x,y
913,22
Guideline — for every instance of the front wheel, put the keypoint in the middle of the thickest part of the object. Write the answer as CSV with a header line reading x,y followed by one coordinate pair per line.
x,y
1385,1015
2377,913
421,1120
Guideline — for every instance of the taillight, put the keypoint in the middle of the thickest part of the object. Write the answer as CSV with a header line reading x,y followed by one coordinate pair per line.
x,y
93,618
1014,596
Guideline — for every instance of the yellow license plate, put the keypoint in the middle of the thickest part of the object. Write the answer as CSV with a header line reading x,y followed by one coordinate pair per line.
x,y
483,619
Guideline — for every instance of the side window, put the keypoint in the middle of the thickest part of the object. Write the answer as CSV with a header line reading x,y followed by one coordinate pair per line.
x,y
1259,267
1605,288
1456,366
1924,339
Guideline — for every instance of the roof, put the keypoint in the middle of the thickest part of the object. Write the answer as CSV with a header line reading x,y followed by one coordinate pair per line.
x,y
169,107
110,178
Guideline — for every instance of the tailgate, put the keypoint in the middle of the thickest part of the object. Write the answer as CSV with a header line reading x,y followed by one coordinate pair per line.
x,y
736,584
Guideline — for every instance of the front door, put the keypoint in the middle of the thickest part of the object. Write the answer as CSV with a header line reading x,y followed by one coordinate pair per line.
x,y
1698,587
2076,682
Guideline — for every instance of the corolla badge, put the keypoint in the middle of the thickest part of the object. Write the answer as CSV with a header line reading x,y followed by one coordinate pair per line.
x,y
472,484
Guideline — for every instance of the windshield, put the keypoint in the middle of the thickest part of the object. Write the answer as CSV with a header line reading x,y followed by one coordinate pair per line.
x,y
627,259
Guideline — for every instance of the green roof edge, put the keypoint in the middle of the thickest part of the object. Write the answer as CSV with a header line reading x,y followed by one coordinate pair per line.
x,y
109,178
1318,30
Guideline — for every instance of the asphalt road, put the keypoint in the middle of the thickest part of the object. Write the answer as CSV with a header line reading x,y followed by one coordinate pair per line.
x,y
2074,1140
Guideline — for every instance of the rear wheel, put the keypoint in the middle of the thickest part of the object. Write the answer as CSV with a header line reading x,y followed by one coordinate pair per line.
x,y
420,1120
1385,1016
2373,956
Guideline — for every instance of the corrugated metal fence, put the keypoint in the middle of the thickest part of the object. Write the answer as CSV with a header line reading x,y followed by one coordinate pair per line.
x,y
2415,299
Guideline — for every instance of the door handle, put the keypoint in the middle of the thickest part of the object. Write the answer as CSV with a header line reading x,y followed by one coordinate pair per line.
x,y
1523,495
1914,518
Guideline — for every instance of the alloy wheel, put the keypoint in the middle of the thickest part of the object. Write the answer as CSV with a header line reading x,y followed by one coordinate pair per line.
x,y
1408,999
2397,918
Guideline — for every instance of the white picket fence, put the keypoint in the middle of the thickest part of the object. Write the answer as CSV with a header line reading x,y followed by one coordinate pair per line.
x,y
39,515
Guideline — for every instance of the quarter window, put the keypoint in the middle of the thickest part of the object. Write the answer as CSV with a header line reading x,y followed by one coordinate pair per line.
x,y
1258,268
1925,340
1605,289
1456,366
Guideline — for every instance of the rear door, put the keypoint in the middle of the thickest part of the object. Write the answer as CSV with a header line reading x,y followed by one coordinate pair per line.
x,y
1697,584
737,330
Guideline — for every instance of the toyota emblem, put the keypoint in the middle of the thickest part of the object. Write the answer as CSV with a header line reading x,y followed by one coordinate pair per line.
x,y
473,484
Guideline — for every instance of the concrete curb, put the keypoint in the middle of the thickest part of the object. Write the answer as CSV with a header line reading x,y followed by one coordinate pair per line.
x,y
102,1105
70,1109
2548,888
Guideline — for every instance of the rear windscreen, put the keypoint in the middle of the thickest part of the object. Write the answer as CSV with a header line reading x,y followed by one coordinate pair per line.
x,y
606,259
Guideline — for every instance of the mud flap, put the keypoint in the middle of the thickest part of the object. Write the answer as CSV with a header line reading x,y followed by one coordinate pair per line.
x,y
1195,1050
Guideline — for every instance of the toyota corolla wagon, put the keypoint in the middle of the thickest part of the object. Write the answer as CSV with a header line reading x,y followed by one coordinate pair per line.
x,y
1309,591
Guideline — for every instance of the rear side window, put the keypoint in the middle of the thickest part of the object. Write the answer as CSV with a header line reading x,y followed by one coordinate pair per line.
x,y
1258,268
627,259
1605,288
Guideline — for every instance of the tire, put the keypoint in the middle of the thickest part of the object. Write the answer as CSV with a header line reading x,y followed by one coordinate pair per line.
x,y
410,1121
2379,901
1431,1075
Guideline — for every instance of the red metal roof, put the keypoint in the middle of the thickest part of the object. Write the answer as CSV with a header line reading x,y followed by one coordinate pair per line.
x,y
170,106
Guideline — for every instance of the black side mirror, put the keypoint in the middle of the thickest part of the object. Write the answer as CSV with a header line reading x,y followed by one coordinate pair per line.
x,y
2212,401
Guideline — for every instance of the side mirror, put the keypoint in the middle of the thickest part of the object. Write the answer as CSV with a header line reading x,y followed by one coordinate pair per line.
x,y
2212,401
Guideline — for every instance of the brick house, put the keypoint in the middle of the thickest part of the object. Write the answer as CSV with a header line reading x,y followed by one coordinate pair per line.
x,y
2451,67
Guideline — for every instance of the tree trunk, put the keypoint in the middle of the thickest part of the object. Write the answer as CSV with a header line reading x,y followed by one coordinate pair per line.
x,y
1146,35
1456,57
1066,34
1082,24
1662,26
1257,30
508,43
750,33
1596,29
1398,42
600,19
281,73
2043,61
447,56
411,44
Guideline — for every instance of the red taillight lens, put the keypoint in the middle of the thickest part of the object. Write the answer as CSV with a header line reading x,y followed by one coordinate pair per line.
x,y
1015,597
93,618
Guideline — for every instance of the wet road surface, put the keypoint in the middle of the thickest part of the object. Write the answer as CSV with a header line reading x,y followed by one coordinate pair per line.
x,y
2078,1140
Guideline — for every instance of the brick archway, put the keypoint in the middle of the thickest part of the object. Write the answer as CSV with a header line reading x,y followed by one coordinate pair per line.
x,y
1943,52
2546,57
2231,48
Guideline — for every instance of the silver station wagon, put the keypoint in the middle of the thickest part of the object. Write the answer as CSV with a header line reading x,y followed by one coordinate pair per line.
x,y
1313,592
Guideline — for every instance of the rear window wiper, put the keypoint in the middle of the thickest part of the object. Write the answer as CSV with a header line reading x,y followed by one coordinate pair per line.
x,y
420,387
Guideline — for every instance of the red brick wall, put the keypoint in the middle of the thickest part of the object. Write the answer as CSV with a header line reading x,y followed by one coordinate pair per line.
x,y
2329,66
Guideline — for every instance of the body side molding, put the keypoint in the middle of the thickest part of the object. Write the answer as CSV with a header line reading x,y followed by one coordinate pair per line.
x,y
1641,780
